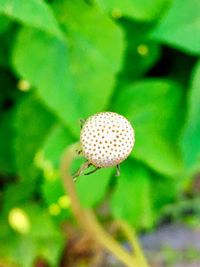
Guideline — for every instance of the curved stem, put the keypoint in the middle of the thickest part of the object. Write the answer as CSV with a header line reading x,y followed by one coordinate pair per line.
x,y
87,219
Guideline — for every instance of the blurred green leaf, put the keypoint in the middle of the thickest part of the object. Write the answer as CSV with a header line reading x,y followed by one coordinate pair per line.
x,y
156,110
52,188
21,250
4,23
40,219
141,53
32,123
132,198
88,57
52,79
7,160
97,184
35,13
17,193
55,199
9,95
95,47
162,197
56,142
191,140
144,10
48,159
70,87
7,39
180,27
43,240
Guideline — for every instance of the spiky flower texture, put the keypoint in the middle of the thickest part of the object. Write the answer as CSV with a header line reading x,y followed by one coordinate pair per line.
x,y
107,139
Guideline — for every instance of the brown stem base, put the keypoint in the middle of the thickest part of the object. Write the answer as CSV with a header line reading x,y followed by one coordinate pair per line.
x,y
89,223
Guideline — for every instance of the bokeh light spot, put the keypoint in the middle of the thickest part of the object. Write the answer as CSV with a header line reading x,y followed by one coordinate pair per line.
x,y
64,202
23,85
19,220
54,209
116,13
143,50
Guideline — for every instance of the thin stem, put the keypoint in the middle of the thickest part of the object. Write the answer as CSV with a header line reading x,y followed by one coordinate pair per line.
x,y
136,248
88,173
87,219
81,170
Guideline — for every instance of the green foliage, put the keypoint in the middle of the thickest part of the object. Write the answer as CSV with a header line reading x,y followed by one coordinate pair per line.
x,y
144,10
180,27
49,161
7,164
32,123
4,23
76,58
144,51
153,106
45,51
84,44
97,183
6,38
132,198
190,141
24,248
34,13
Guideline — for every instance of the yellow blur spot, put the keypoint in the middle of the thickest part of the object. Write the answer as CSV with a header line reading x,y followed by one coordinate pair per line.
x,y
49,172
64,202
54,209
143,50
23,85
19,220
116,13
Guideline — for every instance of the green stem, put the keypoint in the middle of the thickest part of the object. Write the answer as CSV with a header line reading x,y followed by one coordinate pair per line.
x,y
87,219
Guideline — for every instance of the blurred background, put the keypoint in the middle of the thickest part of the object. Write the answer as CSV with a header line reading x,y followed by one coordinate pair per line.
x,y
64,60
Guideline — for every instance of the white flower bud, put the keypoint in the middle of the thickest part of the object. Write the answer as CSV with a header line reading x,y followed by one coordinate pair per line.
x,y
107,139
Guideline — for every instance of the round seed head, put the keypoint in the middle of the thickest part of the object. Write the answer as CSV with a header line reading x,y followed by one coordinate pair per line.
x,y
107,139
